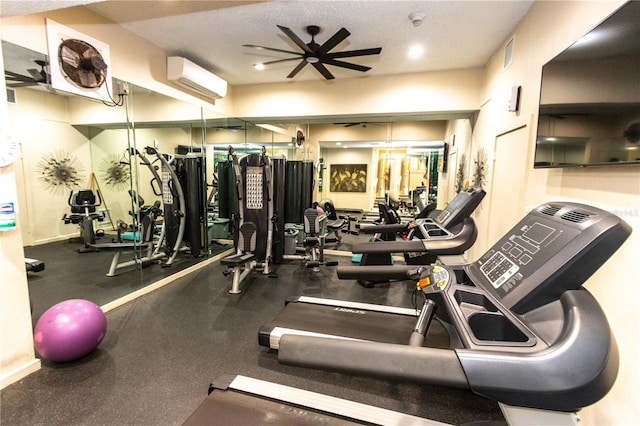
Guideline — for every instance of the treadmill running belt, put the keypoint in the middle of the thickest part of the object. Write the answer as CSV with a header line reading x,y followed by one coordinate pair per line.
x,y
237,408
353,323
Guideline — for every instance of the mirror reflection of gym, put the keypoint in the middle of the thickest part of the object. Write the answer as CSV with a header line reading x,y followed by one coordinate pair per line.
x,y
80,154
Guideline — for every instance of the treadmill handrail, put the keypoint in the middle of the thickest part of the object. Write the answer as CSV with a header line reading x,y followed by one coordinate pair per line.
x,y
452,244
385,360
376,272
392,227
576,370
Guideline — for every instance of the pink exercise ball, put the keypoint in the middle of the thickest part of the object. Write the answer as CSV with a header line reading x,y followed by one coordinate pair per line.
x,y
69,330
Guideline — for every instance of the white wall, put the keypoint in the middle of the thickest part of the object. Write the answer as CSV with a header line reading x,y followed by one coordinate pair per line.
x,y
458,135
546,30
40,122
446,91
17,356
350,200
133,59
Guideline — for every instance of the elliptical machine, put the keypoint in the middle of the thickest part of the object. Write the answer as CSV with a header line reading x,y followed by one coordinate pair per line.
x,y
168,244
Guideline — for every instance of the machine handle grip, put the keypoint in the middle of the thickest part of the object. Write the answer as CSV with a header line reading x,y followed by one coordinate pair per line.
x,y
422,325
393,227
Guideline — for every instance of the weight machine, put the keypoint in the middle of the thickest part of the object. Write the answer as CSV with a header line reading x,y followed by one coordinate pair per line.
x,y
254,219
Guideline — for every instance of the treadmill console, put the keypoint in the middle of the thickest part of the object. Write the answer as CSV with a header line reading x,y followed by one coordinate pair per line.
x,y
434,276
442,224
555,248
460,207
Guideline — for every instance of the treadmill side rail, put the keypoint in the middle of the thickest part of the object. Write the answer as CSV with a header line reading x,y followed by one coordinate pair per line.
x,y
578,369
449,244
385,360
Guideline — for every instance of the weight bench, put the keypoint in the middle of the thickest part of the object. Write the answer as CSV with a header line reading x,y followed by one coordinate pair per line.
x,y
243,262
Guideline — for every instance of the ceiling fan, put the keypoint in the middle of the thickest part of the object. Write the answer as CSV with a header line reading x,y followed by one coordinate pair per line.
x,y
319,55
36,77
359,123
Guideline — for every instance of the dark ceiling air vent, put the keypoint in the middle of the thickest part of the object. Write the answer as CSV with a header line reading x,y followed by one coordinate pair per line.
x,y
11,96
575,216
549,210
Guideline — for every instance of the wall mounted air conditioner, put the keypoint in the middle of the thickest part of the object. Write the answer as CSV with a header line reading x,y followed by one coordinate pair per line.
x,y
192,76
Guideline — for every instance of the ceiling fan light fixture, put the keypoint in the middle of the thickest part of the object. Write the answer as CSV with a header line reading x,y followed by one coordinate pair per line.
x,y
312,59
259,66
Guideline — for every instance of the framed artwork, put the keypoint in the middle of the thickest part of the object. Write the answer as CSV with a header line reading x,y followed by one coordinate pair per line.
x,y
348,178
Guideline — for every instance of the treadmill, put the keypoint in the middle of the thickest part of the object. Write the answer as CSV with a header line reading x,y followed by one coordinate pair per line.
x,y
522,329
446,233
242,400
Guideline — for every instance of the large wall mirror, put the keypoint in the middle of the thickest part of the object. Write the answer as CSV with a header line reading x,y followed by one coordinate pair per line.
x,y
71,144
359,161
91,177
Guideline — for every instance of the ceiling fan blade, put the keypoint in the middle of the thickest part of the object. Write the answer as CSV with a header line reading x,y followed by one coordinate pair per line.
x,y
280,60
37,75
343,64
297,69
301,44
12,76
333,41
272,49
359,52
323,70
24,84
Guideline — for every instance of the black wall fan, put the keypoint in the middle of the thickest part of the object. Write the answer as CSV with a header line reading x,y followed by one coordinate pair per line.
x,y
82,64
319,55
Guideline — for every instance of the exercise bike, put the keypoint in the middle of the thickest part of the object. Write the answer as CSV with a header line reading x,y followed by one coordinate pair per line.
x,y
83,212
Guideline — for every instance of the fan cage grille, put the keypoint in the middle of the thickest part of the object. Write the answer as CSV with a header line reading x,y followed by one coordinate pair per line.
x,y
82,64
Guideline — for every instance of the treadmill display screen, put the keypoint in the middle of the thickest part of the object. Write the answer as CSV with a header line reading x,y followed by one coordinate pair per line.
x,y
521,252
455,204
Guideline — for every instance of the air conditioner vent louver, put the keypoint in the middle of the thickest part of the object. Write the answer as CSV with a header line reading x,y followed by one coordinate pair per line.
x,y
575,216
549,210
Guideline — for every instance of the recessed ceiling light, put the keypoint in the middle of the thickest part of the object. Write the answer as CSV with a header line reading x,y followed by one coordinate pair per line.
x,y
415,51
259,67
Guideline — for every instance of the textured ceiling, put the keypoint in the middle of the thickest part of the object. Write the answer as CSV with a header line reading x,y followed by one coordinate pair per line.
x,y
454,34
26,7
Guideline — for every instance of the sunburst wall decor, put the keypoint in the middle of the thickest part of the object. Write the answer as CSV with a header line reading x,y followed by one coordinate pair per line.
x,y
480,168
461,174
59,171
115,172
